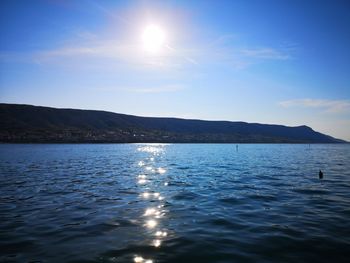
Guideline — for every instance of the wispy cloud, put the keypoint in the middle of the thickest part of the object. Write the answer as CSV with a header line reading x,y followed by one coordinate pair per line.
x,y
226,49
94,50
108,12
332,106
145,89
99,48
265,53
160,89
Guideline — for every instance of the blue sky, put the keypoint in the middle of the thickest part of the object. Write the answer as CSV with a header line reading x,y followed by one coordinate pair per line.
x,y
282,62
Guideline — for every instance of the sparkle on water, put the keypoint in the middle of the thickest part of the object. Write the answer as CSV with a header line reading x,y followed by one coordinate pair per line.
x,y
160,233
146,195
151,223
150,211
142,181
157,242
161,170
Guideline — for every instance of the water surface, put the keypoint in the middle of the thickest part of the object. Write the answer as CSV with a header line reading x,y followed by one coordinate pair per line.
x,y
174,203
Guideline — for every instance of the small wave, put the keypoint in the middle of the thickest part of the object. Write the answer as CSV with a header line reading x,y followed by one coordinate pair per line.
x,y
262,197
311,191
231,200
186,196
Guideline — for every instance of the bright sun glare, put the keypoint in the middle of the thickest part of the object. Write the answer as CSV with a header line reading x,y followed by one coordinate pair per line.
x,y
153,38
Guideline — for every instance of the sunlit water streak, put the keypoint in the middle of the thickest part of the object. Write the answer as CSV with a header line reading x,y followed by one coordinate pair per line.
x,y
154,203
153,214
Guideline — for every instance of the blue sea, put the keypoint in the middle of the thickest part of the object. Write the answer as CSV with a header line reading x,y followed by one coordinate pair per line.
x,y
178,203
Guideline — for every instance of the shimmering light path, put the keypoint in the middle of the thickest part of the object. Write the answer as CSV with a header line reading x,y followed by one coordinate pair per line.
x,y
149,180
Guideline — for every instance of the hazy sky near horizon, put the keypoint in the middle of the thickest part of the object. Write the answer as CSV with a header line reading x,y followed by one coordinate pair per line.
x,y
282,62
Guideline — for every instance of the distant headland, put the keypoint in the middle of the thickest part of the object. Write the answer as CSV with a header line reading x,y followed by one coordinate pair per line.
x,y
35,124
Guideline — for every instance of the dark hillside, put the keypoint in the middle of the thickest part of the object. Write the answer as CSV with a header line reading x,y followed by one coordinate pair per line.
x,y
26,123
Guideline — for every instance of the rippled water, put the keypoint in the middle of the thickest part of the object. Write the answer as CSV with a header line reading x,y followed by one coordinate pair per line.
x,y
174,203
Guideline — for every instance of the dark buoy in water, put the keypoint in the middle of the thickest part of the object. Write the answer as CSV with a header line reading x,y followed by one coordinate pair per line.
x,y
320,175
236,147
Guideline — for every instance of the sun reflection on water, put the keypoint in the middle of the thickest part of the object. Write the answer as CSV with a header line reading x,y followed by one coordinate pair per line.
x,y
151,211
151,223
139,259
157,243
142,181
161,170
145,195
150,149
161,234
150,173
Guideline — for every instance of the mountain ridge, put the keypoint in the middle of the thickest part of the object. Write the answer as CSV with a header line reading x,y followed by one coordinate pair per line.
x,y
28,123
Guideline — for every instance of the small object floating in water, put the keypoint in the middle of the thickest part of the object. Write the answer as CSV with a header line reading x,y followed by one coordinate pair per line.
x,y
320,175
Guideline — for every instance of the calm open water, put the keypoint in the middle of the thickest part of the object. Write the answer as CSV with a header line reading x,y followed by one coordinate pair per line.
x,y
174,203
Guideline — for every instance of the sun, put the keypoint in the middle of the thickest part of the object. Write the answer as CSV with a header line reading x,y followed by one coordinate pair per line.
x,y
153,38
